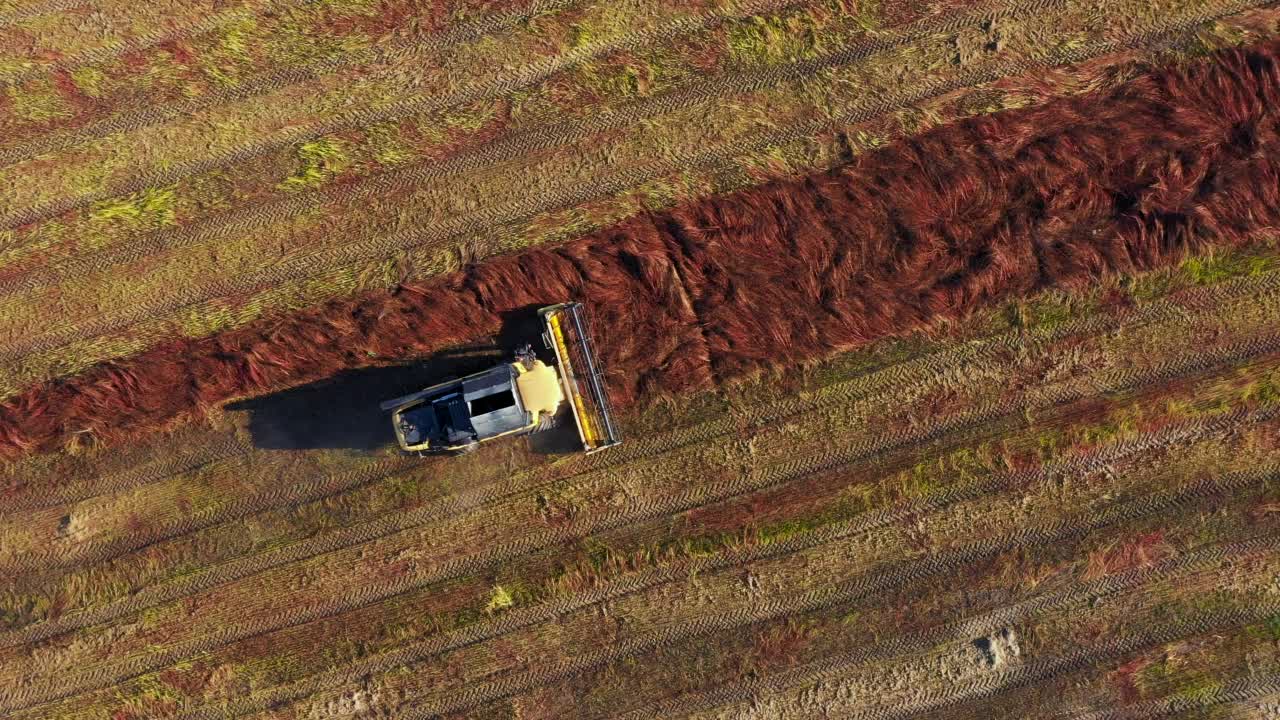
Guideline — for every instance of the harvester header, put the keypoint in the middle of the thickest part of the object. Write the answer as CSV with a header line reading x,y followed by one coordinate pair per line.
x,y
566,334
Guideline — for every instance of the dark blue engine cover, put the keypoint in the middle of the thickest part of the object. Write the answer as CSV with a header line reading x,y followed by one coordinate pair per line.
x,y
442,420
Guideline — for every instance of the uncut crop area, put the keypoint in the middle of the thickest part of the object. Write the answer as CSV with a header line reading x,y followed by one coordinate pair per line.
x,y
943,339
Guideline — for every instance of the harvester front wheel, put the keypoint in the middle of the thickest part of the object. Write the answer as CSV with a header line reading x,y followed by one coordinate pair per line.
x,y
548,421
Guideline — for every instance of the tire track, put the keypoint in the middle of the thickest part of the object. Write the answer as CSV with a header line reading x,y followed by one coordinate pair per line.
x,y
177,31
463,699
957,631
278,79
48,496
922,374
298,492
696,496
525,76
576,193
1077,659
1240,691
649,579
48,7
522,143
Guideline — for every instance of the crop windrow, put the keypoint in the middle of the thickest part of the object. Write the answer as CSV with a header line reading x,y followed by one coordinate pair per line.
x,y
792,271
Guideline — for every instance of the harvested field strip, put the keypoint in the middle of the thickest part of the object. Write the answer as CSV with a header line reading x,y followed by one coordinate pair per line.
x,y
752,242
860,525
868,672
140,113
524,143
1240,691
845,592
227,633
195,21
633,673
1042,670
49,495
652,30
254,280
864,391
960,630
528,645
825,681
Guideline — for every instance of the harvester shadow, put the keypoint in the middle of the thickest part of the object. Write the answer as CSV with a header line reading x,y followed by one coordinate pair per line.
x,y
342,411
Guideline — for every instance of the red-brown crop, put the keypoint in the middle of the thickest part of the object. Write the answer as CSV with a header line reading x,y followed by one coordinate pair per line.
x,y
934,226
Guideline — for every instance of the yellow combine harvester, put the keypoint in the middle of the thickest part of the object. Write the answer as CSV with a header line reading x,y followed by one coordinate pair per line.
x,y
514,398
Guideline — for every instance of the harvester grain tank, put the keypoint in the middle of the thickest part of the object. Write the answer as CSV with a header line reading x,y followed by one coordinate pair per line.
x,y
523,396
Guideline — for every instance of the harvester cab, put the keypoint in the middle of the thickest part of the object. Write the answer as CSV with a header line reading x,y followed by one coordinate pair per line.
x,y
523,396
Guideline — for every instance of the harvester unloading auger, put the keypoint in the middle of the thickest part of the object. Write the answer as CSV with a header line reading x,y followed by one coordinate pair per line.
x,y
523,396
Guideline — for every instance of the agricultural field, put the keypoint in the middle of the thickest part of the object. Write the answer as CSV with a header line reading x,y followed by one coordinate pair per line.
x,y
942,338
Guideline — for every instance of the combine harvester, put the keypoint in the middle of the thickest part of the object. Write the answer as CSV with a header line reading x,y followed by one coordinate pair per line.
x,y
515,398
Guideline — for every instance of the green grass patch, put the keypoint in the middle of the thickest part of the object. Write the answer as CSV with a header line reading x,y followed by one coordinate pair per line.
x,y
320,160
1209,268
37,105
1212,269
781,531
147,208
1049,309
1268,629
386,145
775,39
89,80
499,599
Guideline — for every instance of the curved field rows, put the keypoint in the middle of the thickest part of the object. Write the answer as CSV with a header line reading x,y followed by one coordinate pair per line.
x,y
1071,659
843,592
612,592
